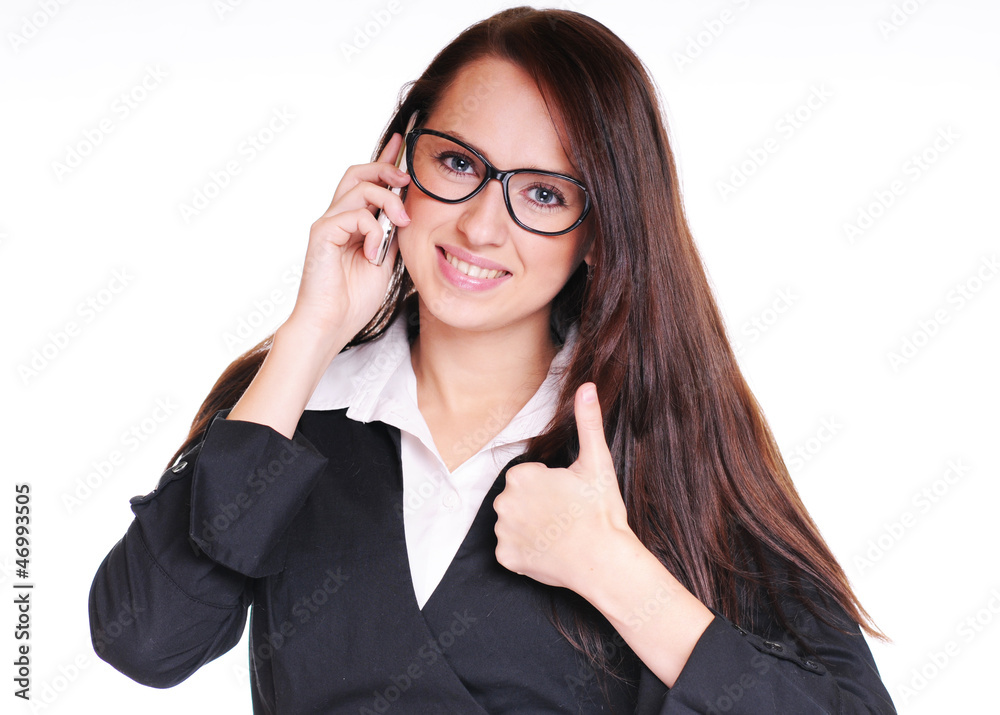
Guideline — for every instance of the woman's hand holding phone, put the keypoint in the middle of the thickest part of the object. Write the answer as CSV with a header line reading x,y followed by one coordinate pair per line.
x,y
339,294
340,289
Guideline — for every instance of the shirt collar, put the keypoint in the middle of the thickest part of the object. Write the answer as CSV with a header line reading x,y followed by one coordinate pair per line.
x,y
375,381
357,377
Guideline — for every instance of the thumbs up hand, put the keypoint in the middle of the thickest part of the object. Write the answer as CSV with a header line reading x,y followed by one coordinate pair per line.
x,y
555,525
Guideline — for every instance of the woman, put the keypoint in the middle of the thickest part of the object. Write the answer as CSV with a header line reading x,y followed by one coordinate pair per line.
x,y
642,548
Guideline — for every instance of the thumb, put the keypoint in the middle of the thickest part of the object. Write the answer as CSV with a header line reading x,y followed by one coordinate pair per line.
x,y
594,450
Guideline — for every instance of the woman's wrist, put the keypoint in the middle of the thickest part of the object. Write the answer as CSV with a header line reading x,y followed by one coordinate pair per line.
x,y
292,369
610,570
315,346
653,612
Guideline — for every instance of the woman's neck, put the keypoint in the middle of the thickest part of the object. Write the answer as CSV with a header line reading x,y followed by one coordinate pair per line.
x,y
462,372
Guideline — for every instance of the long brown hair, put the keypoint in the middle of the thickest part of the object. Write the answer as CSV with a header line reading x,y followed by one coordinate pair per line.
x,y
703,480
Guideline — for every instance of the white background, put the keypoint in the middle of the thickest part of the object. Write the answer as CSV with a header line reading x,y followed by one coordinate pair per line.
x,y
823,358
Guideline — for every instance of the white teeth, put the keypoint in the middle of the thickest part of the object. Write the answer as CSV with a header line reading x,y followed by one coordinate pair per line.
x,y
470,270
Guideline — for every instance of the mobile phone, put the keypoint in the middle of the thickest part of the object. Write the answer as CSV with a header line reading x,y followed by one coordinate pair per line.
x,y
388,227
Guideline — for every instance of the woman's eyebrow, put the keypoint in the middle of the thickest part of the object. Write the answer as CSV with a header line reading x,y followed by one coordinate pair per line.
x,y
534,167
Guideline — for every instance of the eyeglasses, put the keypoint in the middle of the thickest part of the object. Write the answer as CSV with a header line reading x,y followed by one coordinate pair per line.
x,y
451,171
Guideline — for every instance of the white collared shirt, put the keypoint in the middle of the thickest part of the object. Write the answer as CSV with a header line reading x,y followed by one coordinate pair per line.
x,y
375,381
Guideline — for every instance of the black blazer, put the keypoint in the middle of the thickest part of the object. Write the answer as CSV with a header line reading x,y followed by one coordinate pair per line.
x,y
310,532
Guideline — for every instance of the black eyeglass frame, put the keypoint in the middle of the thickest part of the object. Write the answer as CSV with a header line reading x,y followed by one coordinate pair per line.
x,y
493,173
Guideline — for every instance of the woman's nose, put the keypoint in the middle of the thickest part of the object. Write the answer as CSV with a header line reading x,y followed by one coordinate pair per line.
x,y
484,217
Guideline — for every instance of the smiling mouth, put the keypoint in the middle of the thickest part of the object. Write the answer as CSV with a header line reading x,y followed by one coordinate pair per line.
x,y
470,270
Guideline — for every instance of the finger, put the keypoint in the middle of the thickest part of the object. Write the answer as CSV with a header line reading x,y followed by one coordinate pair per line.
x,y
590,428
377,173
366,195
339,228
382,171
392,176
386,163
372,241
391,149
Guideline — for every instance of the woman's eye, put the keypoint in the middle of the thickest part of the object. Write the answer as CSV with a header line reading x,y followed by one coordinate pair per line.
x,y
545,196
457,163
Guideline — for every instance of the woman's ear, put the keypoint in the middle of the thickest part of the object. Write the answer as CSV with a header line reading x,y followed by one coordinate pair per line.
x,y
590,242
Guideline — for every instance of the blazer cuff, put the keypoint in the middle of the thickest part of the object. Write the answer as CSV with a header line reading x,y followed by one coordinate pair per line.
x,y
249,483
731,666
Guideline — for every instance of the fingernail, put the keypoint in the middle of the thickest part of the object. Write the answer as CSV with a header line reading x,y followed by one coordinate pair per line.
x,y
589,393
406,216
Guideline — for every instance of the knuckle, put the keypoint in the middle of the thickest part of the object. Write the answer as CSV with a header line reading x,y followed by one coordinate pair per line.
x,y
504,557
319,229
367,222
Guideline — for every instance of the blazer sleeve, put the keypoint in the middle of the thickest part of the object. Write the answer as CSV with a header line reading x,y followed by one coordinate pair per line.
x,y
732,670
173,593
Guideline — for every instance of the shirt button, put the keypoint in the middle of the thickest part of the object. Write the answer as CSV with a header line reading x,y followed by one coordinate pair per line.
x,y
450,500
774,646
180,466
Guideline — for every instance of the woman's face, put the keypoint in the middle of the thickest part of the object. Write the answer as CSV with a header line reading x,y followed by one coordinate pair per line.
x,y
496,108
